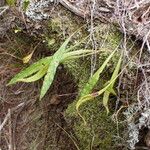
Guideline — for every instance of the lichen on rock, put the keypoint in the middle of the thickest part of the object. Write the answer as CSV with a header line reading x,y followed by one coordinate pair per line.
x,y
38,9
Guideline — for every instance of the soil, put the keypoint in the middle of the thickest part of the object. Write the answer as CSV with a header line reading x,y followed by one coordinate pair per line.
x,y
33,124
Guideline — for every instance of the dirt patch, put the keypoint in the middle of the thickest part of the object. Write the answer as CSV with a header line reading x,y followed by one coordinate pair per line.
x,y
27,122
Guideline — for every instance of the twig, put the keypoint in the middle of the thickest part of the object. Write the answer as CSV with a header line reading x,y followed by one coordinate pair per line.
x,y
4,122
4,10
68,136
10,131
72,8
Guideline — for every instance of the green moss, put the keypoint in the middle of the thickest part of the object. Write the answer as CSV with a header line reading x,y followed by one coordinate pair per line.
x,y
58,29
100,130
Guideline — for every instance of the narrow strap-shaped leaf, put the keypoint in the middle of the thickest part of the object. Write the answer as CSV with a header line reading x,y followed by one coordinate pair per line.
x,y
84,54
30,70
110,88
76,53
57,59
36,76
49,77
105,100
116,71
87,98
94,79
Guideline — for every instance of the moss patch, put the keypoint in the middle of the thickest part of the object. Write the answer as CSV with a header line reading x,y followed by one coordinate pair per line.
x,y
100,130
